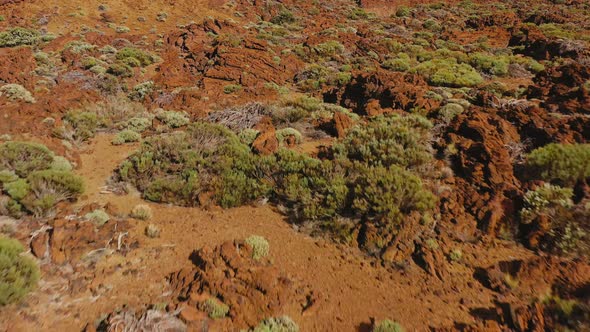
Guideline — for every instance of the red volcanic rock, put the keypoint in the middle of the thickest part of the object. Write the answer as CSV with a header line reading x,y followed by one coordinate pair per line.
x,y
254,290
266,142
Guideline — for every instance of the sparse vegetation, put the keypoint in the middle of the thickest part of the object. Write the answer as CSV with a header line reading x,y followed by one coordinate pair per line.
x,y
259,245
18,36
126,136
388,326
565,163
31,181
16,92
99,217
214,308
141,212
19,274
277,324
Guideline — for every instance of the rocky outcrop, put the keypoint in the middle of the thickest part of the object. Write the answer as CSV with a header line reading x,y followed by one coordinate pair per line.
x,y
252,289
381,92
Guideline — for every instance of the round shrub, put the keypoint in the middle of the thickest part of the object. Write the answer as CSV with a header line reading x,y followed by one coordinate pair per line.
x,y
18,274
99,217
566,163
16,92
141,212
18,36
24,157
260,246
388,326
277,324
282,134
126,136
214,308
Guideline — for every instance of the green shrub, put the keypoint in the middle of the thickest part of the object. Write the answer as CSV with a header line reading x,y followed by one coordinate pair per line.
x,y
447,72
141,90
248,135
23,158
173,119
99,217
312,189
282,134
543,201
388,326
78,47
283,17
259,245
388,194
19,274
169,167
143,58
120,69
215,308
141,212
16,92
568,230
455,255
79,126
137,124
18,189
491,64
152,231
400,64
61,164
385,141
49,187
126,136
566,163
403,11
231,88
374,177
18,36
449,112
277,324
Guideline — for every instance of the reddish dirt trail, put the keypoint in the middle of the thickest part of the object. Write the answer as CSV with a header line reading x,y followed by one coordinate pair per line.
x,y
352,287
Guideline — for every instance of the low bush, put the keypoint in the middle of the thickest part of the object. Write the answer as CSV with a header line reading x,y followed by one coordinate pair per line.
x,y
259,245
389,194
388,140
141,212
277,324
448,72
375,176
16,92
141,90
564,163
173,119
490,64
231,88
135,57
79,126
152,231
568,229
449,112
388,326
19,274
18,36
99,217
126,136
284,133
214,308
31,179
23,158
207,158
